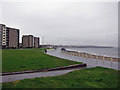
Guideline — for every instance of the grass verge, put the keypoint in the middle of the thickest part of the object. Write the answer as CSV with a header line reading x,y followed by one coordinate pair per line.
x,y
30,59
97,77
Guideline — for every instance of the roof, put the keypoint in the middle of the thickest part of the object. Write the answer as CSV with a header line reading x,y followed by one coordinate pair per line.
x,y
12,28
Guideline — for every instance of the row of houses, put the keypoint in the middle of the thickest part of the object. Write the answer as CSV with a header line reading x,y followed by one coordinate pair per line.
x,y
9,38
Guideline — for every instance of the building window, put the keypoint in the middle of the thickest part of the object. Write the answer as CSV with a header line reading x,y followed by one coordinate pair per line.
x,y
3,40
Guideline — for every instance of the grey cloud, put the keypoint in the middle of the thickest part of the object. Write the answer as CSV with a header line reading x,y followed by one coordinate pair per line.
x,y
65,22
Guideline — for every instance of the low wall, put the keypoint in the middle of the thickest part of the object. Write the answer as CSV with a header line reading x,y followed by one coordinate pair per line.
x,y
87,55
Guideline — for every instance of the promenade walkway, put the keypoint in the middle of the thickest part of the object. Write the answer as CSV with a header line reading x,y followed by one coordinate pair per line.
x,y
90,62
9,78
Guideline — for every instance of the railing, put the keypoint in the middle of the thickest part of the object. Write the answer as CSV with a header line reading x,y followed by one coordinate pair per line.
x,y
92,56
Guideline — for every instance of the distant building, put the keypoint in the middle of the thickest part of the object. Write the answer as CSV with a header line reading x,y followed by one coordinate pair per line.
x,y
36,42
12,37
27,41
0,36
9,37
47,46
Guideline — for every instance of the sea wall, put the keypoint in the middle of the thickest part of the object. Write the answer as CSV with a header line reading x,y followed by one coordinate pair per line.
x,y
88,55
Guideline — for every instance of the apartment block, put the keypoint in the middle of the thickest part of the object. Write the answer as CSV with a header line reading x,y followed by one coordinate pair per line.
x,y
0,36
36,42
13,37
9,37
27,41
3,36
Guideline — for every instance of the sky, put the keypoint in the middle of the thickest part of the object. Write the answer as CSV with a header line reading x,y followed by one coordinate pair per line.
x,y
64,22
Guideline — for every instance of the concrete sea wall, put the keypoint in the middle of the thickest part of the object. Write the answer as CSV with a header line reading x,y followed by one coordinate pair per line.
x,y
92,56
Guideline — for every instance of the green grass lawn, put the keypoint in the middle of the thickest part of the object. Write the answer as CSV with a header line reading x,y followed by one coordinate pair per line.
x,y
84,78
30,59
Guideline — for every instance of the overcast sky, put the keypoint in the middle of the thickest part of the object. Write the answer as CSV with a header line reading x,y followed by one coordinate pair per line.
x,y
66,23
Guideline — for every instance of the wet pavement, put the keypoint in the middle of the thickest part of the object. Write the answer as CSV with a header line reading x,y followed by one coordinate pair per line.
x,y
90,62
9,78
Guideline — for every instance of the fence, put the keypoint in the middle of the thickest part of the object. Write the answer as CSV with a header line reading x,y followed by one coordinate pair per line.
x,y
92,56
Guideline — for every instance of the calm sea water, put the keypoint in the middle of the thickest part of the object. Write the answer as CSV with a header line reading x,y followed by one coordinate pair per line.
x,y
113,52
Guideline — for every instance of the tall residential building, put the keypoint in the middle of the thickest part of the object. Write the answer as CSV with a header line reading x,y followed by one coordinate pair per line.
x,y
4,36
0,36
36,42
13,37
27,41
10,37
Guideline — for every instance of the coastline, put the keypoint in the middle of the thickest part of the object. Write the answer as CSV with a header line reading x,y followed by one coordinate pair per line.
x,y
108,52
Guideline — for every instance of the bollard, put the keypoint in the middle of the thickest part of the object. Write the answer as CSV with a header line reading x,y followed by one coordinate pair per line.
x,y
96,59
75,53
68,53
86,56
103,60
71,53
91,57
82,55
78,54
111,61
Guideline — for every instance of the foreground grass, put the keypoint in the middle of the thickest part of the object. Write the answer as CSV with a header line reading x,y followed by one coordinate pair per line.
x,y
30,59
85,78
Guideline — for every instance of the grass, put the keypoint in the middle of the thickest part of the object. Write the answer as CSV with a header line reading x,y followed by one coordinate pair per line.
x,y
30,59
97,77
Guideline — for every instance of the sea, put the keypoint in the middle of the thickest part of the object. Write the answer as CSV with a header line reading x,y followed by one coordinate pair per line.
x,y
110,52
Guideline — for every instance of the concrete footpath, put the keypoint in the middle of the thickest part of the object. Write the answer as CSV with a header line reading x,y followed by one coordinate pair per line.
x,y
9,78
13,76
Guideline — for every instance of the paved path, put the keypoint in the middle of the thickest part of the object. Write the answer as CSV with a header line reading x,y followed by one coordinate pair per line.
x,y
9,78
90,62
